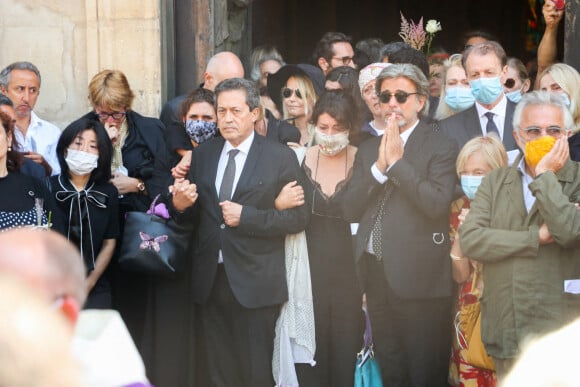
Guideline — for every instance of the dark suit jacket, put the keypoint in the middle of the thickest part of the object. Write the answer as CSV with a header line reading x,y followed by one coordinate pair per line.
x,y
253,252
169,113
416,222
465,125
282,131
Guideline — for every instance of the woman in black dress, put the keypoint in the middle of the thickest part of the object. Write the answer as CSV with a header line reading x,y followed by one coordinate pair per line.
x,y
89,202
24,200
335,289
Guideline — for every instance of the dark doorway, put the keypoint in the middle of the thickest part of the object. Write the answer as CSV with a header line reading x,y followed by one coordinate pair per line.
x,y
295,26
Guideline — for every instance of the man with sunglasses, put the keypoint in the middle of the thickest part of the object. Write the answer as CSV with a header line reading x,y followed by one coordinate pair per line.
x,y
524,225
400,193
486,69
334,50
37,138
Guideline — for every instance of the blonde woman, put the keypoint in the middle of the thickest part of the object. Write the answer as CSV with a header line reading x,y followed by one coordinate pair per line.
x,y
456,93
564,79
295,90
477,158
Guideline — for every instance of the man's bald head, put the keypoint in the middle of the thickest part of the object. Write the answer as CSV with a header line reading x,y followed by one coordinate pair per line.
x,y
46,260
223,65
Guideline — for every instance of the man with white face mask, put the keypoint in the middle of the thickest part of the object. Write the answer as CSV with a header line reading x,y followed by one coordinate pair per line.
x,y
524,226
486,69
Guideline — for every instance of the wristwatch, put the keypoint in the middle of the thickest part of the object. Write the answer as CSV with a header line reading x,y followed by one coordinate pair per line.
x,y
141,186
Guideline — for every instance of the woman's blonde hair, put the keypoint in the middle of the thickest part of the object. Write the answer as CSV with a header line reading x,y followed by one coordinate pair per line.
x,y
569,80
308,94
110,89
490,147
443,110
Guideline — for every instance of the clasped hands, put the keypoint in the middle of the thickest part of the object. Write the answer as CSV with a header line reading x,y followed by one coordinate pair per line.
x,y
391,147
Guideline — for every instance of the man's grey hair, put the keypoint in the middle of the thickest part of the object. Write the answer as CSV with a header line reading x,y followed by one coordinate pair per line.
x,y
412,73
5,73
543,98
251,89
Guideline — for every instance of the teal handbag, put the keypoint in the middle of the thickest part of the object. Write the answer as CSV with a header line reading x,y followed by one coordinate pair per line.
x,y
367,372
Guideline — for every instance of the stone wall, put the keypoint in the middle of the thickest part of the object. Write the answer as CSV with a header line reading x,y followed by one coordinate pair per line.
x,y
70,41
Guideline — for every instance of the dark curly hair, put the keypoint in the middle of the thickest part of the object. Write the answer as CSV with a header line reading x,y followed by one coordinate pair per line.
x,y
13,157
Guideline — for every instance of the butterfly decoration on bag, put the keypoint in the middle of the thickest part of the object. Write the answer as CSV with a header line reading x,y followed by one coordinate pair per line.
x,y
150,242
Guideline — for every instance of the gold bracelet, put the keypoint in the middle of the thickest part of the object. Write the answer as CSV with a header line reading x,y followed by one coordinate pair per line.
x,y
456,258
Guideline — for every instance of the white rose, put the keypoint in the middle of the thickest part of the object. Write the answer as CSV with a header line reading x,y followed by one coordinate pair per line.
x,y
433,26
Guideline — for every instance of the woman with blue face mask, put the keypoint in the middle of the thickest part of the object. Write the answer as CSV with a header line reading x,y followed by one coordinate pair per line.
x,y
517,80
199,124
565,80
456,93
476,159
89,202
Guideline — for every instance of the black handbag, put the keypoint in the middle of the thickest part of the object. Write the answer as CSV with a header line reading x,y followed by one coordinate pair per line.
x,y
153,244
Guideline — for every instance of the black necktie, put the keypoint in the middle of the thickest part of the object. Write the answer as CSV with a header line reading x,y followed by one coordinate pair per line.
x,y
229,176
490,127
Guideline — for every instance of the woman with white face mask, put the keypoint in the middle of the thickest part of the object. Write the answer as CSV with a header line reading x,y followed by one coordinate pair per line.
x,y
565,80
335,289
477,158
89,202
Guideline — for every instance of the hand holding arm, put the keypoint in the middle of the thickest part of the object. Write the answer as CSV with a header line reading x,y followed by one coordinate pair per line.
x,y
184,194
182,168
291,195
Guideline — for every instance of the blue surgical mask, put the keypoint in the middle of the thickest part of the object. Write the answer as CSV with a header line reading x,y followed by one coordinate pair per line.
x,y
459,98
514,96
566,99
200,130
486,90
470,184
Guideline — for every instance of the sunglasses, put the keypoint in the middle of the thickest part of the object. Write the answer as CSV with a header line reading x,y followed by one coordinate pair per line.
x,y
287,93
346,60
509,83
400,96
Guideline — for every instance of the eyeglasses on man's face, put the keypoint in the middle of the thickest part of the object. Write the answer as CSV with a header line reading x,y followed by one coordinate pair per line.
x,y
400,96
346,60
534,132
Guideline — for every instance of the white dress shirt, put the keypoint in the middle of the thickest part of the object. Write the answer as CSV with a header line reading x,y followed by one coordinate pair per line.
x,y
240,159
41,137
498,116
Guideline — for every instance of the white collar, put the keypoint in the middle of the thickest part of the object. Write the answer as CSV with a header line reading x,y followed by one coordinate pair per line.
x,y
244,146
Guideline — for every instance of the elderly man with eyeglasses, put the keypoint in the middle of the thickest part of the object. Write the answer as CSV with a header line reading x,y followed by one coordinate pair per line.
x,y
524,225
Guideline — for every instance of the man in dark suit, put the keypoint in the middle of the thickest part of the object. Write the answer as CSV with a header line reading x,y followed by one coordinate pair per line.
x,y
239,276
486,69
400,192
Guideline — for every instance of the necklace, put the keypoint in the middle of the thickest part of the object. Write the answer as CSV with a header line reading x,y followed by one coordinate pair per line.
x,y
313,210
